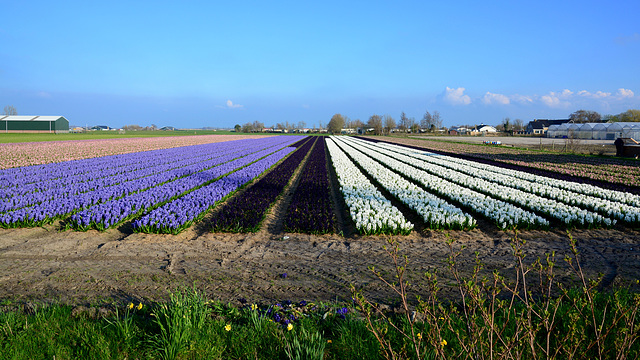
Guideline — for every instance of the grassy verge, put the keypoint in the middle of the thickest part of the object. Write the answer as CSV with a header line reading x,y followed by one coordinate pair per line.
x,y
531,318
6,138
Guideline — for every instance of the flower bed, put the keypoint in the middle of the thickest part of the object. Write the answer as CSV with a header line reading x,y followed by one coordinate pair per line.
x,y
371,212
35,153
611,203
436,213
601,171
310,208
102,204
245,212
504,214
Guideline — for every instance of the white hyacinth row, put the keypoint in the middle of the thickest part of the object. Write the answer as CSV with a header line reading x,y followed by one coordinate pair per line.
x,y
568,214
370,211
586,189
615,209
503,213
437,213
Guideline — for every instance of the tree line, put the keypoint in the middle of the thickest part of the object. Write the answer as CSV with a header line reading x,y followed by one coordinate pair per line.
x,y
588,116
386,124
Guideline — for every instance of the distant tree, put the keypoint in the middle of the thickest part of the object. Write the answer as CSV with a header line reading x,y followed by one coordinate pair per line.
x,y
257,126
132,128
518,125
584,116
10,110
426,122
302,125
347,122
237,128
403,123
357,123
413,125
631,115
506,124
336,124
289,126
389,123
437,120
375,122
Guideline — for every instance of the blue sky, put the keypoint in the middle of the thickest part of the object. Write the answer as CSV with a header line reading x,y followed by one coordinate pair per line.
x,y
197,63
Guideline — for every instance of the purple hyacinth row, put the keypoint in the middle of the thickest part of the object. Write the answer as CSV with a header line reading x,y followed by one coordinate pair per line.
x,y
179,214
245,212
60,207
106,188
110,213
118,168
310,209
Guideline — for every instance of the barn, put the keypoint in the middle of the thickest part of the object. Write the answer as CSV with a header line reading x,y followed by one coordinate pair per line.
x,y
33,124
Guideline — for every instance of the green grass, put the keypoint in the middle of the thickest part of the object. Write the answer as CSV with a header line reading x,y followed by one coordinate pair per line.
x,y
6,138
190,327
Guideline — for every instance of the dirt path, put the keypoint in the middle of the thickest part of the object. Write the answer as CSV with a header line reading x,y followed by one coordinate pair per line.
x,y
88,267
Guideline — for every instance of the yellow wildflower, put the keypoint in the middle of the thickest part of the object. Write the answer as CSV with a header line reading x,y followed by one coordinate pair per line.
x,y
130,306
254,307
139,306
290,327
443,342
227,327
329,341
419,336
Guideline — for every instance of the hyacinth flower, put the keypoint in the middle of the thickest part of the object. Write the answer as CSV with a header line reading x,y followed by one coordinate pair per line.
x,y
245,213
371,212
310,210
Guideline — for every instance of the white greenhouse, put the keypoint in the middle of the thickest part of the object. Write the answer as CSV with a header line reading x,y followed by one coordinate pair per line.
x,y
596,131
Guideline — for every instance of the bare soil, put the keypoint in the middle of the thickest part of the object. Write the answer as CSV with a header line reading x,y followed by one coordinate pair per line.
x,y
42,264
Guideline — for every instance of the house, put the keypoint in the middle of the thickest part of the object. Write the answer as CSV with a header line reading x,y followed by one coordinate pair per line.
x,y
540,126
33,124
100,128
459,130
484,129
168,128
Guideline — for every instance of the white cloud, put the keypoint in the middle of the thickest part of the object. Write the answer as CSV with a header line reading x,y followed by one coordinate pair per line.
x,y
43,94
550,100
456,96
523,99
565,93
231,105
491,98
597,95
625,93
557,99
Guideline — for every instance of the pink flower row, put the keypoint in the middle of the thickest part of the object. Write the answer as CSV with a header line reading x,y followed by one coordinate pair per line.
x,y
36,153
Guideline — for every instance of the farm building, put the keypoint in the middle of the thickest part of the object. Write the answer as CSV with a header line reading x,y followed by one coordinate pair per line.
x,y
596,131
34,124
541,126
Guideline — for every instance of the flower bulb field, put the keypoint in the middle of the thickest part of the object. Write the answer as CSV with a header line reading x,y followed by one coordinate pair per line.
x,y
134,218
